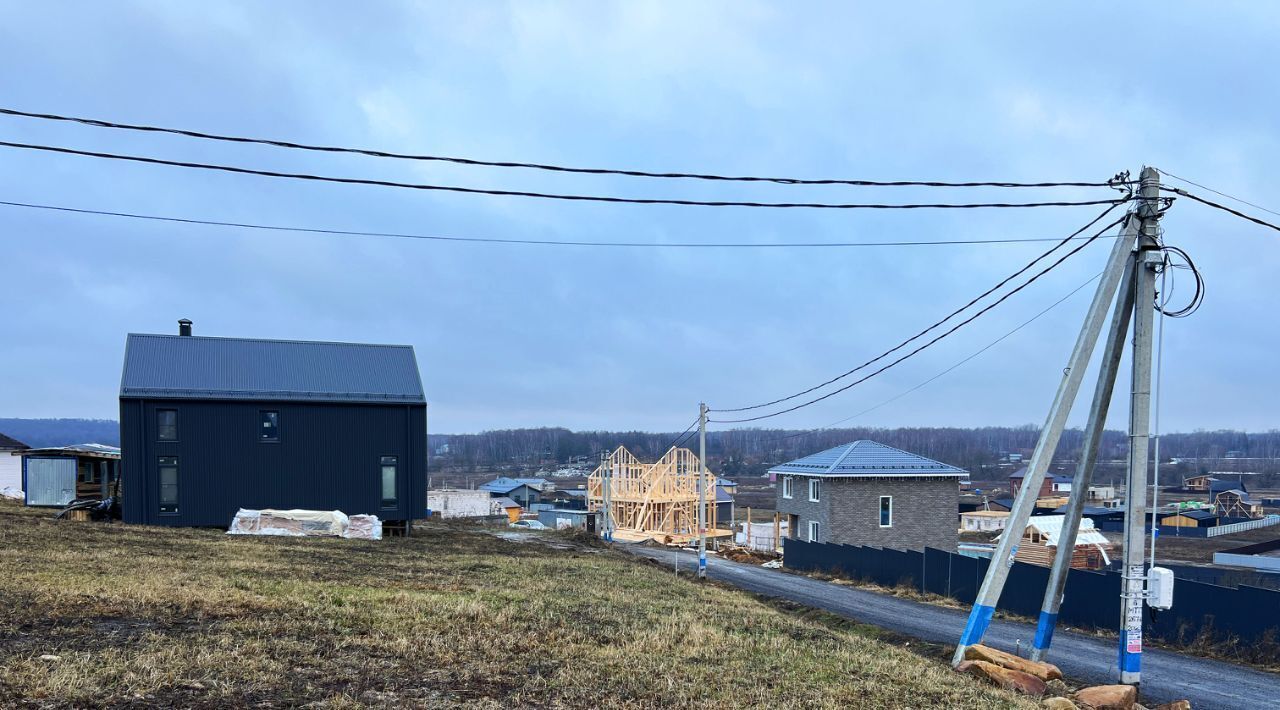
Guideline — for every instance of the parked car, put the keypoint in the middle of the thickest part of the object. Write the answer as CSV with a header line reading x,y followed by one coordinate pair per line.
x,y
529,525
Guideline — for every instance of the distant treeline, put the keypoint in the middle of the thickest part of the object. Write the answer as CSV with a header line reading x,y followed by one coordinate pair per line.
x,y
751,451
982,451
39,433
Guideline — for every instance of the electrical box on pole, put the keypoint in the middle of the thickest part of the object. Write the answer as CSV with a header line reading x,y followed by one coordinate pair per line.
x,y
1160,588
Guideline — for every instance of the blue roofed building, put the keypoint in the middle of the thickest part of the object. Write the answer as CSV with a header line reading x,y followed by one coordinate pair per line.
x,y
525,491
211,425
866,493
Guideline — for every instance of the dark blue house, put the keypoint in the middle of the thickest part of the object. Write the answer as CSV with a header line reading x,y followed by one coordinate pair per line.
x,y
211,425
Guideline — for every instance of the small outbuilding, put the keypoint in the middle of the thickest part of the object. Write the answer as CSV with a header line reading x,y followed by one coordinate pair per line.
x,y
1039,543
56,475
459,503
559,519
525,494
983,520
11,465
1190,518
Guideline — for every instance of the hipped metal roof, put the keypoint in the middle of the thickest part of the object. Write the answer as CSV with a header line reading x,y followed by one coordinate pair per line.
x,y
191,367
868,458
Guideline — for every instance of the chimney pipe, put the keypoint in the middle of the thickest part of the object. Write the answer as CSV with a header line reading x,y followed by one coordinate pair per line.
x,y
184,327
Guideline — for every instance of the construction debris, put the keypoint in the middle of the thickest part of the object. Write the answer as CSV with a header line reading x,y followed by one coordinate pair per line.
x,y
305,523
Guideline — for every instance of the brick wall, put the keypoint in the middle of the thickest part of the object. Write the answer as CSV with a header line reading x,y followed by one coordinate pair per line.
x,y
924,511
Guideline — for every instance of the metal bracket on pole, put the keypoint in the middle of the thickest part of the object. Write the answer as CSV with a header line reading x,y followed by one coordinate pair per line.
x,y
984,605
1111,354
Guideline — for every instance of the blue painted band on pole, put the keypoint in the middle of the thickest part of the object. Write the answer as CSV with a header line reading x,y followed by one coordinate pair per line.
x,y
1044,629
976,628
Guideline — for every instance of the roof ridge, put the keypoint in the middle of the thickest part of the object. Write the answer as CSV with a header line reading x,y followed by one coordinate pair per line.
x,y
294,341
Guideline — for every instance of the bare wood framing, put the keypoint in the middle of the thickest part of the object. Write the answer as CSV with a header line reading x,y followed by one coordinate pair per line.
x,y
657,501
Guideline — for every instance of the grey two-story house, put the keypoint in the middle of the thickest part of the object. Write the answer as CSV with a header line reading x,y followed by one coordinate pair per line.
x,y
865,493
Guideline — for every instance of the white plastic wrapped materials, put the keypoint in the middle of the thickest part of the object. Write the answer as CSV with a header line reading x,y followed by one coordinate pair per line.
x,y
11,492
291,523
364,527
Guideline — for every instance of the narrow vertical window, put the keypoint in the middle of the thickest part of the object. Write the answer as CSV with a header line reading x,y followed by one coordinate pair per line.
x,y
815,489
886,511
390,473
786,486
814,529
167,424
168,484
269,427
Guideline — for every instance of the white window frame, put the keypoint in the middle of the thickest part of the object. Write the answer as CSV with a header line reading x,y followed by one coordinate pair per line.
x,y
786,486
815,530
815,487
880,510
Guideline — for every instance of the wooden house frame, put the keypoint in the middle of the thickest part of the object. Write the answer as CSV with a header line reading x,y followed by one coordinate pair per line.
x,y
656,501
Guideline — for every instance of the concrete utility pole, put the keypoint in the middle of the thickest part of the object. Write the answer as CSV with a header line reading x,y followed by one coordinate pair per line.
x,y
1111,354
984,605
702,490
1133,589
606,494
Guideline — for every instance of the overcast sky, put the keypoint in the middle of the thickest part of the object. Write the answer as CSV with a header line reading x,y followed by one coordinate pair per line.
x,y
513,336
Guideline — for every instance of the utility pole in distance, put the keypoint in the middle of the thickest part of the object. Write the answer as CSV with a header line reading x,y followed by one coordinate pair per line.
x,y
606,494
702,490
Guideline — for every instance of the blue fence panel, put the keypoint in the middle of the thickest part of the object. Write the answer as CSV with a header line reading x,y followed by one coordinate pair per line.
x,y
1091,600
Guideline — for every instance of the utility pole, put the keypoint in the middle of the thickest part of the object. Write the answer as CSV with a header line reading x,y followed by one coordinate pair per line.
x,y
606,494
1133,589
702,490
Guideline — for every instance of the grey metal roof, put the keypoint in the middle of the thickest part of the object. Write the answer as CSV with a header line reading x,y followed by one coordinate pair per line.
x,y
868,458
8,442
195,367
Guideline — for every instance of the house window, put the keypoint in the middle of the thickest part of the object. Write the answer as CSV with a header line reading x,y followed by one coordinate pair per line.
x,y
167,424
168,484
886,511
786,486
815,490
389,475
269,426
814,528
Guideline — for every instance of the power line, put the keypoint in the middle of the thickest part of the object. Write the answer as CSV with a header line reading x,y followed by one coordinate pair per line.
x,y
922,333
540,242
947,371
1224,208
543,166
953,329
1222,194
545,195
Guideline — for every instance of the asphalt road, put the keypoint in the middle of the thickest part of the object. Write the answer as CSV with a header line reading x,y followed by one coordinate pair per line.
x,y
1166,676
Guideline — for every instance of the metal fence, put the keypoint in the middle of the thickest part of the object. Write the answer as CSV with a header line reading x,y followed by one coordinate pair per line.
x,y
1246,525
1092,599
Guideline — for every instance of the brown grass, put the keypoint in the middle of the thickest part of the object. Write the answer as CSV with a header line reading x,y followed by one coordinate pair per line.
x,y
149,617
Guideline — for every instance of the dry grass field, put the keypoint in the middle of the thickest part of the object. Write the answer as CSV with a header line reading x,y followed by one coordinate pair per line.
x,y
141,617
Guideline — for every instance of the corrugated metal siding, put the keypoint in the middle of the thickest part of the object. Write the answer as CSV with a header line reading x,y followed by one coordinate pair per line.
x,y
172,366
328,458
50,481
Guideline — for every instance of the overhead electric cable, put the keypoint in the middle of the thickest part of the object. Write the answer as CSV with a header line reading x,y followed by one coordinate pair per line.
x,y
541,242
975,354
922,333
543,166
1224,208
1220,193
547,195
953,329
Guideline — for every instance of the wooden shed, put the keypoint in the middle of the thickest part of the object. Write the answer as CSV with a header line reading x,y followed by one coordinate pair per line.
x,y
1190,518
1040,543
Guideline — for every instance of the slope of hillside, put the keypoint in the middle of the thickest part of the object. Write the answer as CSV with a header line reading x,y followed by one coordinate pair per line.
x,y
452,616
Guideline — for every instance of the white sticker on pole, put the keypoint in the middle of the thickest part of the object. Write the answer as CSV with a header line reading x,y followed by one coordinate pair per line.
x,y
1134,641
